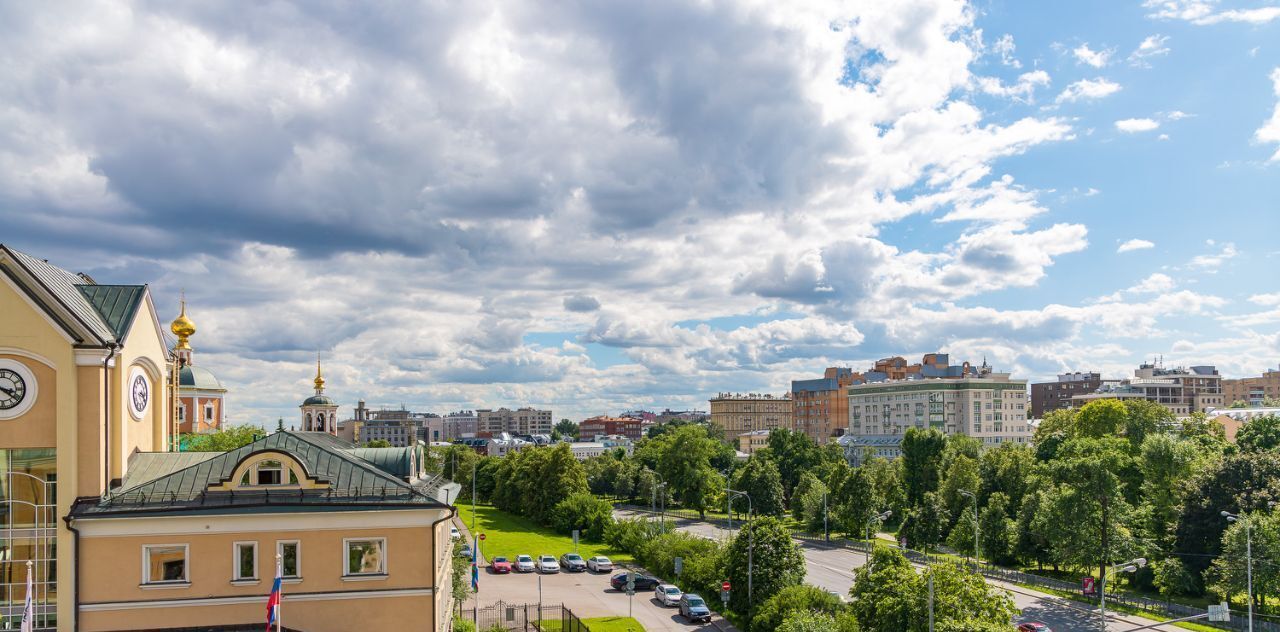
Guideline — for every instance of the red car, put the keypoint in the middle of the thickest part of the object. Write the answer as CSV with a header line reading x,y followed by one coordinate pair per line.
x,y
1033,627
500,565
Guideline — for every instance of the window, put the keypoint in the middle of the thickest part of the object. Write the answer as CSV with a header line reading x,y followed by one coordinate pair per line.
x,y
208,412
245,560
164,564
366,557
268,473
290,552
182,413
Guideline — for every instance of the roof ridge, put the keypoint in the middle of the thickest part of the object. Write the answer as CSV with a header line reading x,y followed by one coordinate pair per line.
x,y
345,455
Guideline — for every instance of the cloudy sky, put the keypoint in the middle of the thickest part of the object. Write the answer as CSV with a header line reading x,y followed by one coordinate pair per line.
x,y
597,206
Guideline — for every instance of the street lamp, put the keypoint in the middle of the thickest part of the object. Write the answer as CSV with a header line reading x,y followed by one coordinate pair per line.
x,y
751,546
876,518
662,515
977,557
1248,559
1126,567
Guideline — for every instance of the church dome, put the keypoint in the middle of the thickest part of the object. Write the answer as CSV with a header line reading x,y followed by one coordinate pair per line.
x,y
196,377
318,400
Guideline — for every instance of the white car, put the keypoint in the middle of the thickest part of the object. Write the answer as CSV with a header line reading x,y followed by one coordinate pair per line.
x,y
599,564
453,533
548,564
667,595
524,564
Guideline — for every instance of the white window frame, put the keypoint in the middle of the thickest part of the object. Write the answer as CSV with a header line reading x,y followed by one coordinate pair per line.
x,y
235,562
346,560
297,577
257,468
147,582
208,411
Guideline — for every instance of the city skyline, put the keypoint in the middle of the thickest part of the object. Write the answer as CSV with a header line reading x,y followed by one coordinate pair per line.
x,y
519,206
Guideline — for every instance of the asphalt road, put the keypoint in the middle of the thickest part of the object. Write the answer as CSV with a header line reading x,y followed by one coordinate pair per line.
x,y
832,568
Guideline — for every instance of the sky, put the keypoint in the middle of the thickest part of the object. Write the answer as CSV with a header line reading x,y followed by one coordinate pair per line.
x,y
595,207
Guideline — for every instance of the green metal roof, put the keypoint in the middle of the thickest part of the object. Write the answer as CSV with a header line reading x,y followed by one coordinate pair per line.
x,y
197,377
148,466
397,461
63,285
117,304
318,400
181,482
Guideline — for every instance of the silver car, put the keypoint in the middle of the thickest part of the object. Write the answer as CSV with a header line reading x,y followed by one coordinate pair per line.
x,y
548,564
524,564
599,564
667,595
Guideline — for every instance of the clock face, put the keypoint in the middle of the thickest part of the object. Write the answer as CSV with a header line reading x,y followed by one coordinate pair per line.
x,y
138,393
13,389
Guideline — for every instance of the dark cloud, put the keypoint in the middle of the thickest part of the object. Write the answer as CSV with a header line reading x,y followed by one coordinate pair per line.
x,y
581,303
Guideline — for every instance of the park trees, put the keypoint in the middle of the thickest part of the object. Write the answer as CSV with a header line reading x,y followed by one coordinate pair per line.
x,y
685,465
922,453
759,478
775,558
794,453
890,596
223,440
1261,434
792,600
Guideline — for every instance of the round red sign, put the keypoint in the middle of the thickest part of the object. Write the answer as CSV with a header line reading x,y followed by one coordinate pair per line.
x,y
724,585
482,537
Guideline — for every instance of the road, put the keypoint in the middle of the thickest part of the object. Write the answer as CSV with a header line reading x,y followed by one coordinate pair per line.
x,y
832,568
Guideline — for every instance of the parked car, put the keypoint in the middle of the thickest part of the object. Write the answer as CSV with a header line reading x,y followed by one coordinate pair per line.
x,y
573,563
548,564
500,565
466,551
453,533
599,564
667,594
694,609
642,582
524,564
1033,626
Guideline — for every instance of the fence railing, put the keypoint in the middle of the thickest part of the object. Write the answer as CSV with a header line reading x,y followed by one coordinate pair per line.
x,y
529,617
1261,623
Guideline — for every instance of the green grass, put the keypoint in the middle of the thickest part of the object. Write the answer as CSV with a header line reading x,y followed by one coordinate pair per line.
x,y
510,535
600,624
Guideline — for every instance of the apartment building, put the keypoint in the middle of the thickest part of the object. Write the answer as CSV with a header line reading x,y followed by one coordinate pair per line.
x,y
1181,390
458,425
521,421
1050,396
1253,391
821,405
749,442
629,427
737,413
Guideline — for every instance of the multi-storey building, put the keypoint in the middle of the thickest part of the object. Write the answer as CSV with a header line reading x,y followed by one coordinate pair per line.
x,y
1050,396
682,415
749,442
1181,390
458,425
820,406
521,421
737,413
629,427
988,406
1253,391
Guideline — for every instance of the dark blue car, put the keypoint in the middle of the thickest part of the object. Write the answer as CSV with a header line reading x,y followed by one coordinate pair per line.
x,y
693,608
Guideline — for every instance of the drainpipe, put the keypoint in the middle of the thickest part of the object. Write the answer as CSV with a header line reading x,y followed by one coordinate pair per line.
x,y
453,511
75,568
106,423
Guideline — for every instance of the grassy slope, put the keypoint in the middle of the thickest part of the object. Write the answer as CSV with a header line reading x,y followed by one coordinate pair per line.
x,y
510,535
601,624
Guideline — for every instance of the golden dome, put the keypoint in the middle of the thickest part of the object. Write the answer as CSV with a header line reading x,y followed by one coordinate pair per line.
x,y
319,381
183,327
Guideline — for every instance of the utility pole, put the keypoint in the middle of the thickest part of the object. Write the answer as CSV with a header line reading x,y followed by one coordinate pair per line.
x,y
1248,559
1127,567
826,532
751,546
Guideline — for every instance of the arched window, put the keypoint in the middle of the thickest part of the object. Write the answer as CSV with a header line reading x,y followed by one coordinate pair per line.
x,y
308,424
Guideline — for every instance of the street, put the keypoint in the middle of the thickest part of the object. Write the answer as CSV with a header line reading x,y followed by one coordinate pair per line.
x,y
832,568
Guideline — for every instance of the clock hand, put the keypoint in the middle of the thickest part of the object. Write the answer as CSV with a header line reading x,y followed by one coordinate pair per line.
x,y
11,393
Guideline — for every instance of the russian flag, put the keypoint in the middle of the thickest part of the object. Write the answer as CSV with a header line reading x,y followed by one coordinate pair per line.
x,y
273,603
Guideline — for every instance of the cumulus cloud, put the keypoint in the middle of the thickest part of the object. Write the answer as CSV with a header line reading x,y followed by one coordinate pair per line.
x,y
1090,57
1135,244
1151,46
1204,12
1266,299
1088,90
1211,262
1270,130
1005,48
1134,125
581,303
1023,90
1154,284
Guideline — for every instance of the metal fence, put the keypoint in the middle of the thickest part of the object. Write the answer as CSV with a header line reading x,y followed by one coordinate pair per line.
x,y
528,617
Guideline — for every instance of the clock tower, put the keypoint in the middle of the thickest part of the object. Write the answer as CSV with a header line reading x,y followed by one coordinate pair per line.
x,y
319,412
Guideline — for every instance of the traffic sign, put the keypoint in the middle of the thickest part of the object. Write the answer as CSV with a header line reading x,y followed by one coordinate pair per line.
x,y
1086,585
679,562
724,596
482,537
575,540
631,581
1219,612
724,585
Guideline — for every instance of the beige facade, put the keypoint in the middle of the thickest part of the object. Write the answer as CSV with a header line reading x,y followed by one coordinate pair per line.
x,y
992,409
521,421
749,442
738,413
1253,391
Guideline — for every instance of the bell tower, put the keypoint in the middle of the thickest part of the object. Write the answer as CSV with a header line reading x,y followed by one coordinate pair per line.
x,y
319,412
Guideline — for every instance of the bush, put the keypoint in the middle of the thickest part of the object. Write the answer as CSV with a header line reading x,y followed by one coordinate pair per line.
x,y
585,512
462,625
792,600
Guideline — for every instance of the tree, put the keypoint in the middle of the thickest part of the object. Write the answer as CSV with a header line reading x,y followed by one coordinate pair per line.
x,y
885,591
961,536
1006,469
856,502
886,478
760,480
963,602
531,482
566,428
583,512
223,440
793,599
1031,545
1260,434
1172,578
1238,483
817,622
794,453
814,504
1228,575
890,596
996,530
1167,463
1100,418
962,475
807,481
685,465
378,443
922,452
925,525
776,560
280,424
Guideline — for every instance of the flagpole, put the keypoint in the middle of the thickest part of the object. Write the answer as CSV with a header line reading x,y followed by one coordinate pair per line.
x,y
28,610
280,603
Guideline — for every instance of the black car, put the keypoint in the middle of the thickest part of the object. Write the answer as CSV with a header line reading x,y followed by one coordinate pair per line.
x,y
643,582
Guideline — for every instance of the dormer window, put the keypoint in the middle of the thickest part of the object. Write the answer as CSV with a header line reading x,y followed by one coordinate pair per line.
x,y
268,473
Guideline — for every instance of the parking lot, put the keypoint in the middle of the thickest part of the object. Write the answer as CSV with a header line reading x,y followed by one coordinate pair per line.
x,y
588,595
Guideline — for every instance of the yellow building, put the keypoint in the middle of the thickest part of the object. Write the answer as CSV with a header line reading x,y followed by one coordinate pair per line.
x,y
141,538
738,413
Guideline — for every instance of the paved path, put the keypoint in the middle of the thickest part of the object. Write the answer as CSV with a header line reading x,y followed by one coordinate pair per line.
x,y
832,568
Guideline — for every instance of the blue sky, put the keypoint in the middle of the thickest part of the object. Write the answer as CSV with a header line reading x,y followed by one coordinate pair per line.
x,y
603,207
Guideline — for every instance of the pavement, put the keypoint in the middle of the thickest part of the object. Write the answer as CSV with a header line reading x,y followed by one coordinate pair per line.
x,y
832,568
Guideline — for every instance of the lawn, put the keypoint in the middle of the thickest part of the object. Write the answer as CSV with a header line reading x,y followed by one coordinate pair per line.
x,y
510,535
600,624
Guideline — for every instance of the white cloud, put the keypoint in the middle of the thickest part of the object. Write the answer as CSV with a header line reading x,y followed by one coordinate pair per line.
x,y
1270,130
1212,262
1005,47
1133,125
1151,46
1176,115
1272,299
1022,91
1135,244
1154,284
1088,89
1205,12
1088,56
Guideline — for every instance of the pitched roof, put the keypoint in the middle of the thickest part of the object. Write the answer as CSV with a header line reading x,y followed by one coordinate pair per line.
x,y
105,310
178,481
116,304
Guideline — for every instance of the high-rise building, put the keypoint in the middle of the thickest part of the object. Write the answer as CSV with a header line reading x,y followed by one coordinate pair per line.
x,y
820,406
201,397
737,413
1051,396
521,421
1253,391
460,425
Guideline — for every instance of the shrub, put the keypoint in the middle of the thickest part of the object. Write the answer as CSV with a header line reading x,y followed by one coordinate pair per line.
x,y
585,512
792,600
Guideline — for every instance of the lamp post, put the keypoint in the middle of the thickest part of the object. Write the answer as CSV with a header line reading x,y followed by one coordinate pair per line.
x,y
1248,559
751,546
881,517
1126,567
662,515
977,557
826,531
